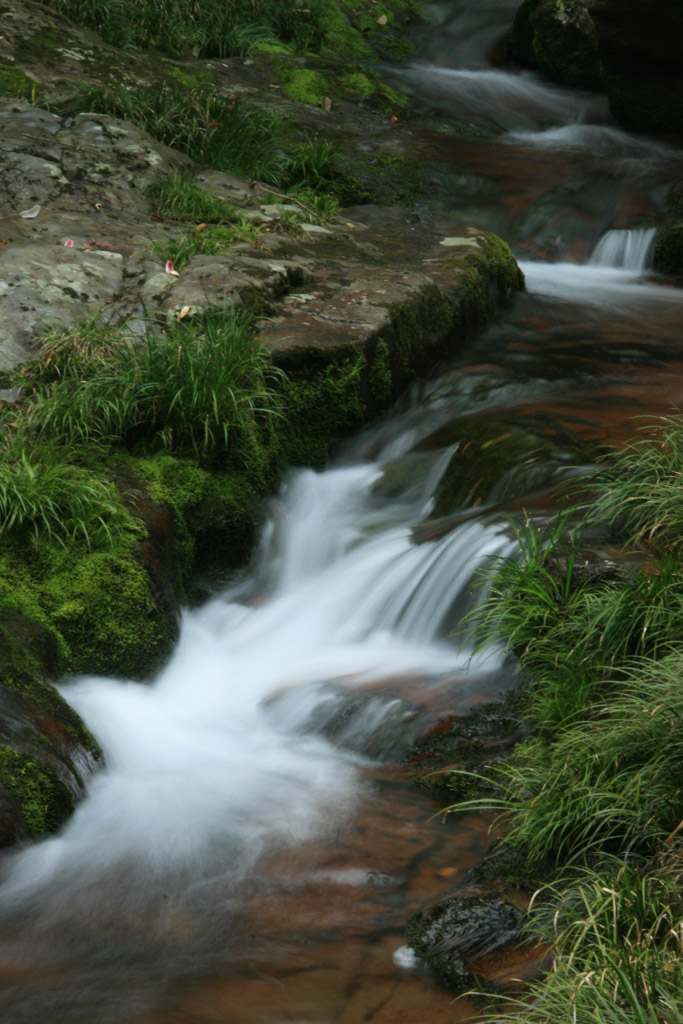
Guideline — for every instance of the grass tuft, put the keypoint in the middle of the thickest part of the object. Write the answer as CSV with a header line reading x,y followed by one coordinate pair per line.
x,y
197,388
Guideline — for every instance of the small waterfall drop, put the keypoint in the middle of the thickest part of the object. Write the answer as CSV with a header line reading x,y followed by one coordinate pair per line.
x,y
629,248
348,599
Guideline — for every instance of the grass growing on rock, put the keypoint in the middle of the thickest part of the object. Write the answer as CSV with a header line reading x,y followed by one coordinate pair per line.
x,y
197,388
204,28
236,137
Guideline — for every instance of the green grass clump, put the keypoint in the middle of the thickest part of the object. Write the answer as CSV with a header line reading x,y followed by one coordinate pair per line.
x,y
236,137
617,939
211,241
179,199
45,492
202,28
197,388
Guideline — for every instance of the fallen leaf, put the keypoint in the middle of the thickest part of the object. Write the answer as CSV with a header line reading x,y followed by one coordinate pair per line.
x,y
3,241
29,214
185,311
382,20
200,227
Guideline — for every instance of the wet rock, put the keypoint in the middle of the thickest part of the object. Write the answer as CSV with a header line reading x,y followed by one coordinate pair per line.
x,y
45,750
560,38
453,935
668,252
632,51
494,461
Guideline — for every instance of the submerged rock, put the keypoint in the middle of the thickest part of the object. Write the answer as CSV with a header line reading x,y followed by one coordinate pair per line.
x,y
454,934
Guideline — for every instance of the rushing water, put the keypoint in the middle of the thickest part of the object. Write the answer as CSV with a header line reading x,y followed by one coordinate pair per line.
x,y
250,854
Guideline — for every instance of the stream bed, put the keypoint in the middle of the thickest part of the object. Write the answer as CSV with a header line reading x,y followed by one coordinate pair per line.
x,y
255,845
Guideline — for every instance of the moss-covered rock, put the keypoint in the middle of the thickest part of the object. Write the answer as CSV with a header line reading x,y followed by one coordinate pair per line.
x,y
104,609
560,38
41,800
312,83
668,251
44,745
16,83
631,52
215,515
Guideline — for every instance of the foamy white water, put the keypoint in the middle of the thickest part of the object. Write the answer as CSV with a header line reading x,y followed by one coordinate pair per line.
x,y
630,248
350,598
512,102
593,284
600,140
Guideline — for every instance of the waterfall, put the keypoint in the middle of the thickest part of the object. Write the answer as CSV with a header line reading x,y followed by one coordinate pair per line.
x,y
630,249
349,599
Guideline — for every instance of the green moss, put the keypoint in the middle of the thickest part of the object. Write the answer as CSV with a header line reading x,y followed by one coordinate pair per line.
x,y
27,651
272,49
323,403
380,383
105,610
16,83
192,78
303,85
388,37
340,39
668,252
354,85
216,514
46,802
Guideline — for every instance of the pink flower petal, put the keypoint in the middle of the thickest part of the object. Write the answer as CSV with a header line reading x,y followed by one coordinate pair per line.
x,y
69,243
170,270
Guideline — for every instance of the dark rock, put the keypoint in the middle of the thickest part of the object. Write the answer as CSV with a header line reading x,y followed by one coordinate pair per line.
x,y
668,252
632,51
560,38
454,934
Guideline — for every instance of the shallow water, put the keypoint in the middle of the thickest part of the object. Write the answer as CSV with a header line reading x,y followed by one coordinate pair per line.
x,y
251,852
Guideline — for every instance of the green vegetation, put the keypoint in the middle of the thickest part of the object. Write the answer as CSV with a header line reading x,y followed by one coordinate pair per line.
x,y
74,519
16,83
179,199
599,786
205,29
194,388
618,936
45,801
668,253
237,137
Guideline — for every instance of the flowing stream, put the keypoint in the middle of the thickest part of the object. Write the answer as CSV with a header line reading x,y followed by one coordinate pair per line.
x,y
254,846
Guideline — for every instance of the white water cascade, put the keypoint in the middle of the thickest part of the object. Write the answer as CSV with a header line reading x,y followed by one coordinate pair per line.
x,y
224,739
628,248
